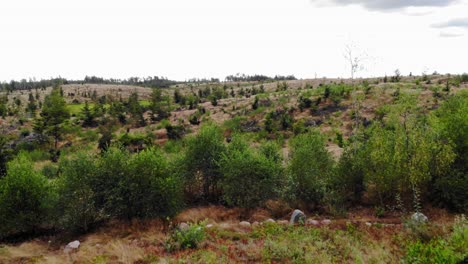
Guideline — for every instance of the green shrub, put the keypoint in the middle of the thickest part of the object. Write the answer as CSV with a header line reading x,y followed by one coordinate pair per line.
x,y
451,122
77,208
234,124
50,171
434,252
311,168
175,131
190,237
201,164
111,170
38,155
349,179
117,185
404,154
258,172
173,146
154,190
451,249
25,198
90,135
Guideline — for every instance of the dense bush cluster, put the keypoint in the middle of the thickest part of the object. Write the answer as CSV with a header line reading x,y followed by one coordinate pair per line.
x,y
405,159
90,189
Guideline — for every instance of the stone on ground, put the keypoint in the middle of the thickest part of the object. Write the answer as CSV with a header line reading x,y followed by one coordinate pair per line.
x,y
297,217
72,246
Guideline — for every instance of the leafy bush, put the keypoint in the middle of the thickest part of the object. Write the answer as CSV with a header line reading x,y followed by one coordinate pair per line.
x,y
403,154
311,168
77,206
50,171
175,132
451,121
434,252
258,172
25,198
154,189
189,237
117,185
138,185
201,163
449,250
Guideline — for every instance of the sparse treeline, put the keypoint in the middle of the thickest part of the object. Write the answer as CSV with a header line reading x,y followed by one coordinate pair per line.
x,y
405,159
30,84
150,81
257,78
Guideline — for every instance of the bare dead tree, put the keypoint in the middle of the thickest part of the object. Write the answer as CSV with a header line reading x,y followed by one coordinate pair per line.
x,y
355,60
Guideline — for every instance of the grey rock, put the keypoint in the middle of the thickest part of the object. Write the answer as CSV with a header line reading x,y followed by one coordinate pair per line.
x,y
270,221
72,246
297,216
419,218
245,224
326,222
183,226
312,222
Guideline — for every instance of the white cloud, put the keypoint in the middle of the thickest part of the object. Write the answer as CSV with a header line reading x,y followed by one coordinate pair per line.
x,y
456,22
386,5
444,34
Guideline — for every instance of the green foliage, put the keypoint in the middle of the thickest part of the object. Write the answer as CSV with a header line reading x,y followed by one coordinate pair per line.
x,y
3,106
117,110
404,153
234,124
117,185
153,189
88,116
105,140
451,122
299,127
304,103
175,131
50,171
25,198
349,179
77,206
135,141
136,110
255,103
54,113
449,250
280,119
311,168
5,154
159,105
434,252
259,173
201,163
190,237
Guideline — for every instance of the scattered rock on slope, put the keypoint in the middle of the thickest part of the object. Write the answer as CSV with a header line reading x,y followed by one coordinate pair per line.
x,y
72,246
297,217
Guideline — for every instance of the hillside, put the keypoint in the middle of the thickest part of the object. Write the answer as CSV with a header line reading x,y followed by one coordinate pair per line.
x,y
168,175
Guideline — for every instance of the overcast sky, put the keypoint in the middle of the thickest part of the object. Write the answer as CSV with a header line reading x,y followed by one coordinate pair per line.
x,y
182,39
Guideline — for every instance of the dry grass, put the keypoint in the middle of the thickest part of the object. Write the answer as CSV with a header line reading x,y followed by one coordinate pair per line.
x,y
143,241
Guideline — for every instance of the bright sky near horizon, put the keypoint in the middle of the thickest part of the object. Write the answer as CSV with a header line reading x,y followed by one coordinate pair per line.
x,y
182,39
